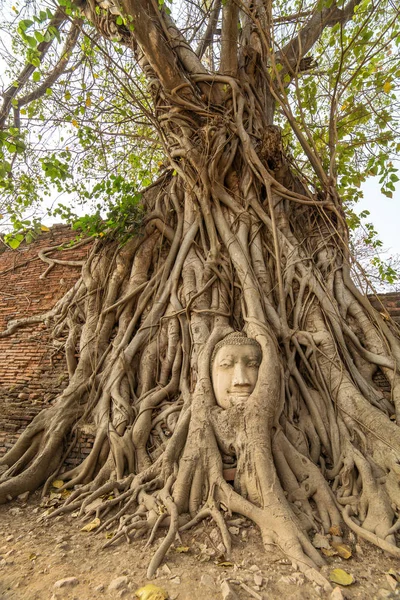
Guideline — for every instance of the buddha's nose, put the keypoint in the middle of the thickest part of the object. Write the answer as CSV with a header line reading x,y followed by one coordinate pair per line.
x,y
240,376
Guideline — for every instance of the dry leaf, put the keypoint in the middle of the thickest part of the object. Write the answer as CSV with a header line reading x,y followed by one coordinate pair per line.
x,y
394,574
109,536
341,577
225,563
343,550
57,483
151,592
32,556
55,496
329,551
336,530
181,549
92,525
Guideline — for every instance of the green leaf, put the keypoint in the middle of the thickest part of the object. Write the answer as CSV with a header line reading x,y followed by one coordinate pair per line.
x,y
13,243
36,76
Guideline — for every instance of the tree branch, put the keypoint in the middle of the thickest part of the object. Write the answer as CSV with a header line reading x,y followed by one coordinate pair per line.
x,y
11,92
229,58
147,32
211,27
60,67
309,34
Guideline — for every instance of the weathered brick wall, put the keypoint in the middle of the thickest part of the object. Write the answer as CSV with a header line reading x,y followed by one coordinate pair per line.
x,y
32,371
389,302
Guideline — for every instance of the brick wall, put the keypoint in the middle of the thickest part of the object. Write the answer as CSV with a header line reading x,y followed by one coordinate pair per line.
x,y
32,371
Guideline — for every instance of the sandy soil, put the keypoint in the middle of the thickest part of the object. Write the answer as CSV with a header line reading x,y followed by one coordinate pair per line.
x,y
35,555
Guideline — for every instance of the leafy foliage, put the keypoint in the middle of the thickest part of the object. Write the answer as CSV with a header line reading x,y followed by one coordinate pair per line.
x,y
83,118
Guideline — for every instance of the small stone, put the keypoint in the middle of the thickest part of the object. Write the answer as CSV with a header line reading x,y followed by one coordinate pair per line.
x,y
67,582
23,497
258,580
9,538
207,580
244,534
336,594
227,592
99,588
176,580
122,593
234,530
320,541
165,570
254,569
221,548
391,581
118,583
359,550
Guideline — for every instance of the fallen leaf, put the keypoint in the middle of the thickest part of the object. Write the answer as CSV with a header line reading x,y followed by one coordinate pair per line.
x,y
394,574
92,525
32,556
109,535
57,483
225,563
341,577
55,496
181,549
343,550
329,551
336,530
151,592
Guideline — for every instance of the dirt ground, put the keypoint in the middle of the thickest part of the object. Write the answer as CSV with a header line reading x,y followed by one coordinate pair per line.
x,y
36,554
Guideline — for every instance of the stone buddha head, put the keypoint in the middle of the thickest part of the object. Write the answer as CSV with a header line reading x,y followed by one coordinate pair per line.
x,y
234,369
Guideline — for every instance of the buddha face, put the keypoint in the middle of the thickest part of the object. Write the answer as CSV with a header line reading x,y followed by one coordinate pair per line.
x,y
234,373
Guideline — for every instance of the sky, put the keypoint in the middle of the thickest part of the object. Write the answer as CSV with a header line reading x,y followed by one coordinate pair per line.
x,y
384,214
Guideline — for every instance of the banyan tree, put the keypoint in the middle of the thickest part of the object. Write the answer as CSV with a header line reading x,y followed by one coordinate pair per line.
x,y
219,348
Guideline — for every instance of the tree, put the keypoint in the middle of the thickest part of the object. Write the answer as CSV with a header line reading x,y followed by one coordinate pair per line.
x,y
269,115
372,270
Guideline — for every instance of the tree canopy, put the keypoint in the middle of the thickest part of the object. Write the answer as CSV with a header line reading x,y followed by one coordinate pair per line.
x,y
77,117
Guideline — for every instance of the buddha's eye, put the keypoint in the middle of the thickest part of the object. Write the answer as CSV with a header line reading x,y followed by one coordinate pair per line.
x,y
226,364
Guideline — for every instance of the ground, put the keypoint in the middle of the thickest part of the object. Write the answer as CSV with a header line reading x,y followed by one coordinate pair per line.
x,y
36,553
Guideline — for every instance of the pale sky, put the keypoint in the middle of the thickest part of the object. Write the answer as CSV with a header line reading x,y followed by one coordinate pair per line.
x,y
385,214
